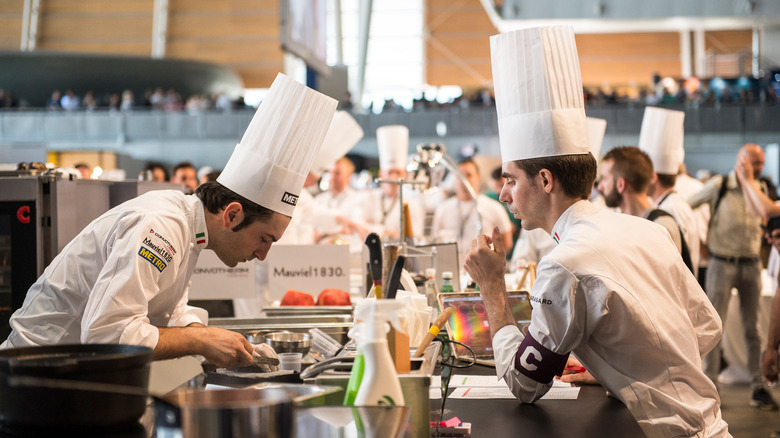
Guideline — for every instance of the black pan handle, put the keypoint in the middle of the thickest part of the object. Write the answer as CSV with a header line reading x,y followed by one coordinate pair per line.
x,y
394,281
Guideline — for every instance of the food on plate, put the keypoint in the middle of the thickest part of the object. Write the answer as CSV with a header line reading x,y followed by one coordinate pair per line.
x,y
296,298
333,297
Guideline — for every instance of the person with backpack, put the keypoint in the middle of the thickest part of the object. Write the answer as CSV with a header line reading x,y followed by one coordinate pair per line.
x,y
734,243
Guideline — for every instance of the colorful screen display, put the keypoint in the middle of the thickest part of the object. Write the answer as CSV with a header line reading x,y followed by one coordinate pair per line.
x,y
469,324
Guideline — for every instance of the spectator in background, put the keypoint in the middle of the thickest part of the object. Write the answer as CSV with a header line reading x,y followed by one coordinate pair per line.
x,y
89,103
173,101
222,102
53,104
185,173
157,99
84,170
157,171
70,102
113,102
496,184
128,101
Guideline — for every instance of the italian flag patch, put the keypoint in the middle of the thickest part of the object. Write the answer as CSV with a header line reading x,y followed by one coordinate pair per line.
x,y
201,238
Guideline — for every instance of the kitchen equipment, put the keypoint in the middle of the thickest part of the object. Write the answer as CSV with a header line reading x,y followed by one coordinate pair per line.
x,y
225,413
433,331
30,396
290,361
394,280
374,244
274,311
289,342
323,346
335,326
308,395
353,421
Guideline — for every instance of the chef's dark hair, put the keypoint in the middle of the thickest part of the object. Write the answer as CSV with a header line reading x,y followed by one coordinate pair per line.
x,y
632,164
215,197
575,173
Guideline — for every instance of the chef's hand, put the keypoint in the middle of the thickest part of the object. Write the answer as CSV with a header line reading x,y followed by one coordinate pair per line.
x,y
770,369
486,261
265,350
743,169
225,348
573,373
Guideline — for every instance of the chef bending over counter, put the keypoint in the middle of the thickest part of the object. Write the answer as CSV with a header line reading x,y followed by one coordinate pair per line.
x,y
614,291
124,279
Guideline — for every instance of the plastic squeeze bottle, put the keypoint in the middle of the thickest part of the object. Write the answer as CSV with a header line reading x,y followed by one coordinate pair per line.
x,y
380,385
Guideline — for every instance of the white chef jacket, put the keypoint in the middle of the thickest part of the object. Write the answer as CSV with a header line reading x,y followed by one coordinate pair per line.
x,y
382,214
679,208
616,293
123,276
330,206
456,221
686,187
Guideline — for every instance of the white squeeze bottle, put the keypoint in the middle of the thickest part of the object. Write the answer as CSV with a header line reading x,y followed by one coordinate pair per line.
x,y
380,385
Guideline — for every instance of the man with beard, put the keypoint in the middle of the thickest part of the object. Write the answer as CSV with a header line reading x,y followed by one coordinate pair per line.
x,y
626,173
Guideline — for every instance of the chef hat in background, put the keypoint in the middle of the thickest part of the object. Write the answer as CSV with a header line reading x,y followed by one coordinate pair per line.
x,y
538,88
661,137
343,133
596,129
393,144
277,150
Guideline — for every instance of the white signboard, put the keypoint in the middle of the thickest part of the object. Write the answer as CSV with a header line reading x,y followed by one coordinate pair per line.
x,y
307,268
212,280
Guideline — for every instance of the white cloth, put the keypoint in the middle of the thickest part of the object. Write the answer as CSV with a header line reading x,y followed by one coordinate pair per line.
x,y
531,246
679,208
344,133
300,230
393,144
687,186
383,215
596,129
456,221
614,293
123,276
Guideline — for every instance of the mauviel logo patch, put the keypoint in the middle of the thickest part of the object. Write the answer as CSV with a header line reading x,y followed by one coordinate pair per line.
x,y
289,198
152,258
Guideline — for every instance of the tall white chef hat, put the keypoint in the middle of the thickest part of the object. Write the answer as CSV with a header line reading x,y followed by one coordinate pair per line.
x,y
343,133
538,87
393,144
661,137
270,163
596,129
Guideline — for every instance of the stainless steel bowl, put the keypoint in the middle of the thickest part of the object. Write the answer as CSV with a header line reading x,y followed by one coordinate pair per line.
x,y
289,342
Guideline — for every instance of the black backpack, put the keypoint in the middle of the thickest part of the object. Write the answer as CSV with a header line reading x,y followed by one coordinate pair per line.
x,y
686,253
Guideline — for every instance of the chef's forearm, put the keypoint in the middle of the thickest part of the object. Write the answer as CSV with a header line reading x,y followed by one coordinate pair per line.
x,y
176,342
499,313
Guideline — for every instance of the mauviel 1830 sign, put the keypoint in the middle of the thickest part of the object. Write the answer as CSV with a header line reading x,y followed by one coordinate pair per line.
x,y
307,268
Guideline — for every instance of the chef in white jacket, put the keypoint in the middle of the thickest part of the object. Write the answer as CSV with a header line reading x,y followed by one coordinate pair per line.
x,y
124,278
381,210
661,137
614,291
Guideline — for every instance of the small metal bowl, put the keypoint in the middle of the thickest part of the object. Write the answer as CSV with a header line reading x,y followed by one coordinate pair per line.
x,y
289,342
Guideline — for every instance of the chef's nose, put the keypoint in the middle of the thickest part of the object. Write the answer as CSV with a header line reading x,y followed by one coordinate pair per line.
x,y
261,252
504,195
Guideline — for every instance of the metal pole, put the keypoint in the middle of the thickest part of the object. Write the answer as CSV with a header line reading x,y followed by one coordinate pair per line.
x,y
363,34
159,28
25,25
339,42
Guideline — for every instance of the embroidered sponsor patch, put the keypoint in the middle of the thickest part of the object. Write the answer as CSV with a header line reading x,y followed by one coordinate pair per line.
x,y
289,198
537,362
149,256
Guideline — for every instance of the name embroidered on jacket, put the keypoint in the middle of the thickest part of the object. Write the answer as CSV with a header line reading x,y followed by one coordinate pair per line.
x,y
151,258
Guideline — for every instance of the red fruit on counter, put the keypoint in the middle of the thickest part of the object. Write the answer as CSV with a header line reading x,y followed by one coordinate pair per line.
x,y
296,298
333,297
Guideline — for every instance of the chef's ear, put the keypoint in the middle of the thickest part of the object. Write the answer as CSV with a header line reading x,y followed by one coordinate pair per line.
x,y
232,215
620,185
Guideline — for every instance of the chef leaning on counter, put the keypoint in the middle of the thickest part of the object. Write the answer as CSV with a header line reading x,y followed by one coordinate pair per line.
x,y
124,278
614,291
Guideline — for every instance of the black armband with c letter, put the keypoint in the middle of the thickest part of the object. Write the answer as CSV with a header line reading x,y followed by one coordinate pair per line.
x,y
537,362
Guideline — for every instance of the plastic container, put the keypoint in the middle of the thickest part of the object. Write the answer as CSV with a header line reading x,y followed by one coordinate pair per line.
x,y
290,361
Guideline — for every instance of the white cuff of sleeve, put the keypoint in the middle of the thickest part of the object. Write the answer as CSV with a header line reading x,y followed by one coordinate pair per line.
x,y
505,344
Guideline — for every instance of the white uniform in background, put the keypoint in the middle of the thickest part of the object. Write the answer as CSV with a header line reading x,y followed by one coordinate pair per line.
x,y
382,214
456,221
679,208
329,206
615,293
531,246
686,187
120,278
